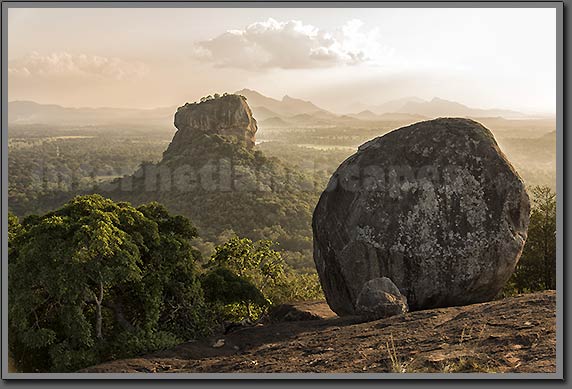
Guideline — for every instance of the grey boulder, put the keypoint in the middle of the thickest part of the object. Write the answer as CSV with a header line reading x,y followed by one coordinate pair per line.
x,y
434,206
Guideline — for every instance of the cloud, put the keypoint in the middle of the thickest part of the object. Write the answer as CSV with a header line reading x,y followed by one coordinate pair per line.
x,y
292,45
62,64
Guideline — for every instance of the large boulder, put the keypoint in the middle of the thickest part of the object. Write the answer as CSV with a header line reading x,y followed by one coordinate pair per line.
x,y
434,206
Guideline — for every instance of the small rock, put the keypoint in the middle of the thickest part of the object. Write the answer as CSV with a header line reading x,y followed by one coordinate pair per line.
x,y
219,343
380,298
289,312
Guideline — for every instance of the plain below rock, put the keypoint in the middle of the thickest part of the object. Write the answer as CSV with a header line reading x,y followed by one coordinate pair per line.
x,y
380,298
435,206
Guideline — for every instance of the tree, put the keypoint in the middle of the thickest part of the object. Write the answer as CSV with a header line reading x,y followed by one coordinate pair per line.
x,y
536,269
68,260
14,231
298,287
170,269
255,262
91,280
223,286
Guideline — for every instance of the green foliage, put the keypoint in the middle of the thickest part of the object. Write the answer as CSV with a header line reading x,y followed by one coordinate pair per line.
x,y
48,166
298,287
177,304
248,269
14,227
536,269
223,286
246,276
15,230
232,297
139,341
94,273
256,262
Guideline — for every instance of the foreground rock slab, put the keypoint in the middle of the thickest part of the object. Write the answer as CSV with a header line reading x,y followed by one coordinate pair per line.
x,y
515,335
435,206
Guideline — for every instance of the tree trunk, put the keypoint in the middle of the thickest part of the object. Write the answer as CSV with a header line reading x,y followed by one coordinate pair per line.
x,y
98,316
117,308
546,258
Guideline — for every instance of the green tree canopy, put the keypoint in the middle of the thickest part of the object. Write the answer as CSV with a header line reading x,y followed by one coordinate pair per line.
x,y
85,274
256,261
536,269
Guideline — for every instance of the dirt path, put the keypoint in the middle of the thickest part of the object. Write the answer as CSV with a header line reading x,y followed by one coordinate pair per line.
x,y
511,335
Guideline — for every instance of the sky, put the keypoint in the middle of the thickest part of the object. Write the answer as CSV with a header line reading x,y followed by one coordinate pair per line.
x,y
337,58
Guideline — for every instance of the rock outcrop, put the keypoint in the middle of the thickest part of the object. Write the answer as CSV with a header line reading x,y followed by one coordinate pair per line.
x,y
212,174
435,206
228,116
380,298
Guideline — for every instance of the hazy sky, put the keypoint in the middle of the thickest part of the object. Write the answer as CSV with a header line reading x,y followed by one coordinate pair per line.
x,y
504,58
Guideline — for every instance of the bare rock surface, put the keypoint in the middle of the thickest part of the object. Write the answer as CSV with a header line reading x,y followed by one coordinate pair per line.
x,y
435,206
513,335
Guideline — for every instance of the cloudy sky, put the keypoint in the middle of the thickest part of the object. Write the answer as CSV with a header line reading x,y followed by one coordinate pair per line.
x,y
502,58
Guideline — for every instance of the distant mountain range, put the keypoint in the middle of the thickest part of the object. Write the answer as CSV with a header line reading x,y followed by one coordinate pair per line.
x,y
269,112
288,106
291,111
440,107
432,108
29,112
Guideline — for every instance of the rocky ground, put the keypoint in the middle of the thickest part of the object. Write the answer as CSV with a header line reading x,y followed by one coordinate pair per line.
x,y
511,335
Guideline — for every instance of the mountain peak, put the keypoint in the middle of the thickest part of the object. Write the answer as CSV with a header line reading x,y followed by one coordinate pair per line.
x,y
287,106
246,90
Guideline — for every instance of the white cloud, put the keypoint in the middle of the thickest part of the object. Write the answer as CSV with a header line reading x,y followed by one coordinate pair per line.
x,y
62,64
292,45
